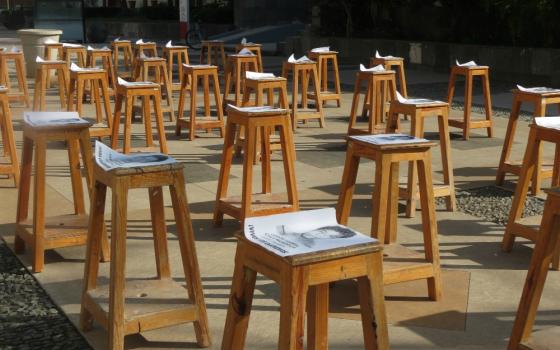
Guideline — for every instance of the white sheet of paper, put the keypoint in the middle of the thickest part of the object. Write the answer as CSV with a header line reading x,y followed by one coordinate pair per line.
x,y
39,59
71,45
377,55
123,82
256,109
537,89
302,232
198,65
257,75
89,48
388,139
246,52
378,68
548,122
244,41
53,118
109,159
50,41
169,44
321,49
117,39
139,41
466,64
302,59
14,49
415,101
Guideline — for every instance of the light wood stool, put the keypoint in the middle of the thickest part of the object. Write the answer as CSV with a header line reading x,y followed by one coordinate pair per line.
x,y
106,57
126,94
19,62
322,59
389,64
148,49
254,48
192,75
467,123
540,101
529,227
418,113
374,100
128,60
303,73
259,86
214,48
99,88
128,307
304,285
266,203
51,48
79,53
546,249
179,54
42,77
9,164
42,233
236,67
159,66
401,264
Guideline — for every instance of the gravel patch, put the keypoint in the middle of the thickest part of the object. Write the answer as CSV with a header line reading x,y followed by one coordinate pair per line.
x,y
492,203
28,317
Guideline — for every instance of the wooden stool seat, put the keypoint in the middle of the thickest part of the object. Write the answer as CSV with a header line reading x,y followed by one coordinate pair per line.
x,y
42,77
545,251
42,233
400,264
126,307
528,227
302,73
304,286
323,58
254,48
266,203
144,65
540,100
467,123
106,57
396,64
236,66
126,93
74,52
9,164
98,81
126,47
213,48
374,100
192,75
419,112
19,63
181,56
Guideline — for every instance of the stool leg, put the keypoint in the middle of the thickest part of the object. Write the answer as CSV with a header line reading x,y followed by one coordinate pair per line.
x,y
223,180
97,97
181,107
43,95
318,103
416,126
295,98
77,190
508,141
380,199
167,83
127,134
487,103
159,124
247,182
62,83
9,141
117,274
159,232
393,204
116,122
288,152
318,317
355,102
429,229
106,102
192,120
304,88
24,190
293,295
147,116
37,93
20,68
206,90
468,103
336,80
80,96
93,247
240,302
219,109
540,110
347,185
372,305
451,88
39,205
446,161
265,160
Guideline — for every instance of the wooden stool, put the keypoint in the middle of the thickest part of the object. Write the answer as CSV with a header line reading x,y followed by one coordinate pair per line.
x,y
139,305
259,86
265,203
181,55
466,123
19,62
254,48
210,47
9,162
322,59
540,101
296,275
98,82
78,52
58,231
127,93
389,63
529,227
374,92
41,78
48,55
126,48
419,112
148,49
193,74
401,264
106,57
546,249
301,72
161,77
235,70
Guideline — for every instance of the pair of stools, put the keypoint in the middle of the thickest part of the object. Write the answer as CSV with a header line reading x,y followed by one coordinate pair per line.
x,y
323,59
